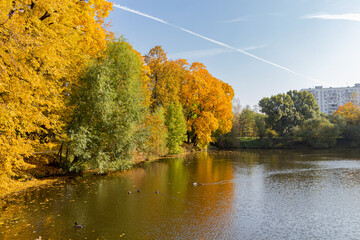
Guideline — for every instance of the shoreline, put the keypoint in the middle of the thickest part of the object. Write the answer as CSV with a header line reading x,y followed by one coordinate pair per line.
x,y
21,187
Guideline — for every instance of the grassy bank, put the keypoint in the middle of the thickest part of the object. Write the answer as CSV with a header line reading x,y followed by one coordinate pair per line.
x,y
282,143
41,173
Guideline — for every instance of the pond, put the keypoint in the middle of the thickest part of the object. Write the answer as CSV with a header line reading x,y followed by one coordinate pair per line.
x,y
257,194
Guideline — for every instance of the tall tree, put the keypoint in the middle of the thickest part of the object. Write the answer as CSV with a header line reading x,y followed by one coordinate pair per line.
x,y
43,47
176,125
166,77
304,105
285,111
109,107
207,105
279,111
157,134
247,126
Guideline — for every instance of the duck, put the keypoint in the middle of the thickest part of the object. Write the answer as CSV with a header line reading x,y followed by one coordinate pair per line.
x,y
78,225
196,184
156,191
138,190
129,192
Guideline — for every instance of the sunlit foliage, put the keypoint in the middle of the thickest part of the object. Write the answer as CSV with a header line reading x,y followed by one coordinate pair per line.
x,y
350,112
230,139
109,107
157,133
166,77
43,47
176,127
207,105
285,111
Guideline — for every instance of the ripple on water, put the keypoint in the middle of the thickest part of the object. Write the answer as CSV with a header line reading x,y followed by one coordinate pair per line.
x,y
245,195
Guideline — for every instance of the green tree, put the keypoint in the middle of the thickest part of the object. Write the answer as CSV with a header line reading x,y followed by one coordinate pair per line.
x,y
279,111
285,111
157,134
304,105
43,47
347,117
318,132
230,139
109,106
260,125
176,126
247,126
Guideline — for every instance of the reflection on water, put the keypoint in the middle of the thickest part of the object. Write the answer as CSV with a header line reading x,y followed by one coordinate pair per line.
x,y
243,195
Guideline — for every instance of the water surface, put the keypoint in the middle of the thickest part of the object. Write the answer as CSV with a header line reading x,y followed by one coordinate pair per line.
x,y
255,194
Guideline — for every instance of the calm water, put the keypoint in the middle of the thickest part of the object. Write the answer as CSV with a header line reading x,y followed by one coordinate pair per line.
x,y
243,195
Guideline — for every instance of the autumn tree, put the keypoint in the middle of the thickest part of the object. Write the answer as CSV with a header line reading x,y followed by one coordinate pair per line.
x,y
350,112
207,105
176,126
351,129
166,77
230,139
44,47
157,134
109,108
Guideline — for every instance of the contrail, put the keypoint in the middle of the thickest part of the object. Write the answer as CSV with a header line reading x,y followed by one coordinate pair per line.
x,y
216,42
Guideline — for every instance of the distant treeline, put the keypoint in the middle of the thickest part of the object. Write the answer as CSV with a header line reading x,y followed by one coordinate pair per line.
x,y
293,120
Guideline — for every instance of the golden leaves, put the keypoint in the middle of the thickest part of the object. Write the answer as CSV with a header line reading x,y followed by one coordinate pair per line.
x,y
166,77
350,111
207,104
44,45
206,100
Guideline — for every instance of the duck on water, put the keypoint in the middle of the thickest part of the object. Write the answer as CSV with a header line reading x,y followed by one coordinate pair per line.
x,y
77,226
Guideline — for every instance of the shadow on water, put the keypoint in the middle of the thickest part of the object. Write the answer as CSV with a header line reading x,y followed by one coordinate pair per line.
x,y
256,194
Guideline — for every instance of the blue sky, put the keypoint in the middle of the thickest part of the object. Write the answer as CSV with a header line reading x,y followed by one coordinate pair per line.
x,y
290,45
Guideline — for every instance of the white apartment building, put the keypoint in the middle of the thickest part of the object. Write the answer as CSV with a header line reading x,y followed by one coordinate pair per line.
x,y
329,99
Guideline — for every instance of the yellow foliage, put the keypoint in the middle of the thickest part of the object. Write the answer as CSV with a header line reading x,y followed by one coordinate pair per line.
x,y
207,104
166,77
44,45
350,111
156,142
206,100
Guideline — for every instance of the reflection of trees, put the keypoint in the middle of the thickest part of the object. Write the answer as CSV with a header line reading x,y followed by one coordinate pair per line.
x,y
181,210
211,206
31,214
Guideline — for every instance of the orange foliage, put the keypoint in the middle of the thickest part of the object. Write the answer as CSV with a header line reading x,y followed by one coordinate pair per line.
x,y
166,77
207,104
206,100
350,111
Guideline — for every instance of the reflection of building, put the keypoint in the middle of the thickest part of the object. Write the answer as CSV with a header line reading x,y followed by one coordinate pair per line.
x,y
329,99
